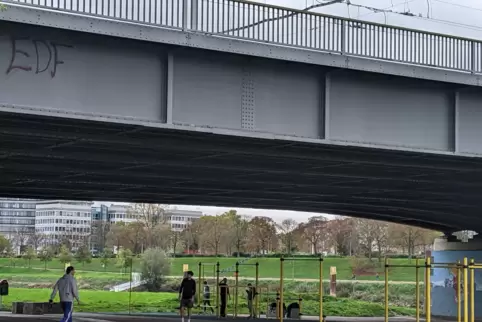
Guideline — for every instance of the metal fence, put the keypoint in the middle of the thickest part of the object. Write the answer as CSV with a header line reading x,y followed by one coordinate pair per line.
x,y
287,27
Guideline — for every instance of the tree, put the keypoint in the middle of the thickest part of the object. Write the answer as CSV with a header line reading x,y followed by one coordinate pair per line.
x,y
211,230
46,255
287,228
21,238
116,237
65,256
150,216
4,245
29,254
238,227
83,255
409,237
339,231
175,238
100,233
190,237
155,265
314,231
105,257
261,234
124,259
36,240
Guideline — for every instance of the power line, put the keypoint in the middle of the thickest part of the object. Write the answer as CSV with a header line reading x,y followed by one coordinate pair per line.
x,y
319,5
458,5
409,14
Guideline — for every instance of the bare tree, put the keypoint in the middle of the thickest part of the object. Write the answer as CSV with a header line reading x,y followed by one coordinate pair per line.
x,y
36,240
151,216
287,228
314,231
262,236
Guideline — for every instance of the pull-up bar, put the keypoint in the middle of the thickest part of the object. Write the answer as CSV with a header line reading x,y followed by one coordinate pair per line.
x,y
281,285
237,287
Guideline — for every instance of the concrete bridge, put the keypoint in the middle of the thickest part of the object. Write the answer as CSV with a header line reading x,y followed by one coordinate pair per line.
x,y
234,103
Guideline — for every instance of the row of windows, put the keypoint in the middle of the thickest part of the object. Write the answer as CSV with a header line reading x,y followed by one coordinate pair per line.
x,y
179,226
123,216
12,213
63,229
13,205
63,213
62,221
13,221
5,230
181,218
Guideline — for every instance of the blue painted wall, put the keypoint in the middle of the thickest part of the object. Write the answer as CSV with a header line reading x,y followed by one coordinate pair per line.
x,y
443,288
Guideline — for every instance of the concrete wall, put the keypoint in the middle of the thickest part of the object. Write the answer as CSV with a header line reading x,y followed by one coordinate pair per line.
x,y
77,72
444,294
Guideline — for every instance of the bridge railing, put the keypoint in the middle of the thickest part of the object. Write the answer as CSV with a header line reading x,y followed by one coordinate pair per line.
x,y
287,27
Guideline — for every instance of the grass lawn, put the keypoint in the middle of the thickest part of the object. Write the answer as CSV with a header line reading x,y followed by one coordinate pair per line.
x,y
101,301
268,267
39,278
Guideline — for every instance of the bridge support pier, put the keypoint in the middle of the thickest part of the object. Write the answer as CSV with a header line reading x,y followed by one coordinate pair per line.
x,y
444,280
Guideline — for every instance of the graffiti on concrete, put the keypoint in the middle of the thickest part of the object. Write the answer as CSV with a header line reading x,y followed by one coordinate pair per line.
x,y
38,56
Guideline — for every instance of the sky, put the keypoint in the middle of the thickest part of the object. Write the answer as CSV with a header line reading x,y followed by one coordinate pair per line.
x,y
455,17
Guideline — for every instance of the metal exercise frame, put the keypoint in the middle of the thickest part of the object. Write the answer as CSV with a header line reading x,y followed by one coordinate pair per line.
x,y
202,270
465,267
284,26
236,286
280,306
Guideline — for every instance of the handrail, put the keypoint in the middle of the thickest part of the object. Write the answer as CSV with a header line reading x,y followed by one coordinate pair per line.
x,y
286,26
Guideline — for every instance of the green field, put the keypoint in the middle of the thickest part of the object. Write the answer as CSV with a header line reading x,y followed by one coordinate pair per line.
x,y
101,301
268,267
354,298
39,278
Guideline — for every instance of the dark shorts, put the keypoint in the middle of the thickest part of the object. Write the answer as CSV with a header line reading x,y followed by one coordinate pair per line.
x,y
187,303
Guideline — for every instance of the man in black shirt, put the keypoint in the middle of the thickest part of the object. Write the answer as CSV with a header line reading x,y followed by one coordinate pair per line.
x,y
187,292
224,294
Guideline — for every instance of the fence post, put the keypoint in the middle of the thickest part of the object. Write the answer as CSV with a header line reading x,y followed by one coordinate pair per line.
x,y
185,16
194,15
343,37
472,61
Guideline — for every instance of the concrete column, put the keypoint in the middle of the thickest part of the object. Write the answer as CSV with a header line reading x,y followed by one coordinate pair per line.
x,y
444,294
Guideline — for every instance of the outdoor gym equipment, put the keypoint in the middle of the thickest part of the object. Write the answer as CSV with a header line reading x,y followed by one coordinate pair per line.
x,y
236,287
465,267
214,267
280,307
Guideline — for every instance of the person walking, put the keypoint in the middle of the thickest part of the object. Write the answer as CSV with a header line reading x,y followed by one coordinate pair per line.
x,y
187,291
224,295
207,297
66,286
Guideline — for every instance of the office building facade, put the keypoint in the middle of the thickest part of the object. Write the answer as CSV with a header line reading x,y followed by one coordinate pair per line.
x,y
64,221
17,221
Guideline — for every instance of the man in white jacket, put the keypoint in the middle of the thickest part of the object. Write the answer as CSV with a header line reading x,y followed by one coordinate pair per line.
x,y
67,288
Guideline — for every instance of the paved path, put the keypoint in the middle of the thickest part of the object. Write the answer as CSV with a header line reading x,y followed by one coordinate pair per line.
x,y
85,317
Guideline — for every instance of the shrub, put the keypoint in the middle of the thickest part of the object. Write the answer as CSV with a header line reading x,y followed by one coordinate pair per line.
x,y
155,265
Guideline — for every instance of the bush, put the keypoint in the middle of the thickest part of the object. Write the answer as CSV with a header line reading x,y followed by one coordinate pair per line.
x,y
155,265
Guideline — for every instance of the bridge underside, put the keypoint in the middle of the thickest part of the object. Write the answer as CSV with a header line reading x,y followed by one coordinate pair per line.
x,y
57,157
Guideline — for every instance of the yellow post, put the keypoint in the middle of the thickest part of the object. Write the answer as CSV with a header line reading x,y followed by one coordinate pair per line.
x,y
417,291
321,289
386,289
466,291
428,288
236,291
281,286
459,302
256,285
199,284
218,313
472,290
